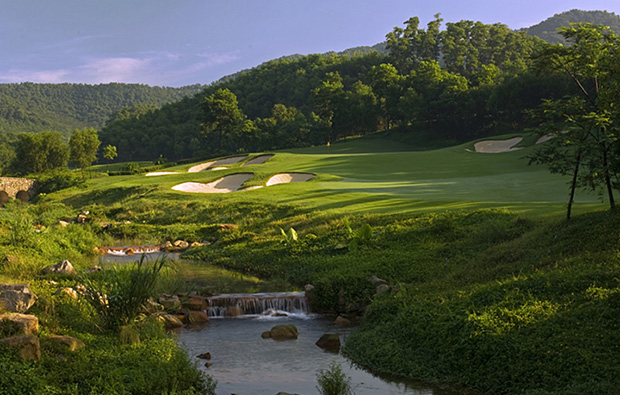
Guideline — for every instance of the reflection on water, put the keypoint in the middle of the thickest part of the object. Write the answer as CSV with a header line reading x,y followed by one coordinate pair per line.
x,y
245,364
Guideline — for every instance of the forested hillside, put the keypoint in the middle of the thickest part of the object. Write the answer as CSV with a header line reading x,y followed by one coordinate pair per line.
x,y
547,29
480,84
29,107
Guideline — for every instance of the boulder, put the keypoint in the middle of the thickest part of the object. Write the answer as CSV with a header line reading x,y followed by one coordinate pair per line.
x,y
195,303
170,302
170,321
196,317
151,307
28,346
16,298
381,288
196,244
167,246
206,355
20,324
266,335
284,332
341,321
181,244
329,341
130,251
64,267
68,342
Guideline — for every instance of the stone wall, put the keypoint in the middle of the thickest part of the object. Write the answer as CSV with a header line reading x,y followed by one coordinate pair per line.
x,y
23,189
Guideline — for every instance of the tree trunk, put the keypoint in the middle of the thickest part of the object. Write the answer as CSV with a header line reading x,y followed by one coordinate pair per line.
x,y
610,190
573,185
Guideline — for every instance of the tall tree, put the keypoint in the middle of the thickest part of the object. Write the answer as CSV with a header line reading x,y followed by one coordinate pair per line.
x,y
84,144
587,144
39,152
222,119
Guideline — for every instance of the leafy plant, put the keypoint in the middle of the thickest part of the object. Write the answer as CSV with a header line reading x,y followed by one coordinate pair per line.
x,y
290,237
118,298
333,381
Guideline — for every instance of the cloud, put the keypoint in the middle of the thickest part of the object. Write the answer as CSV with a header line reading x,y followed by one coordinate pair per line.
x,y
162,68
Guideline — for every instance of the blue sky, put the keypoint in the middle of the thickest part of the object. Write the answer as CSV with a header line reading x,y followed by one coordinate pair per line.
x,y
184,42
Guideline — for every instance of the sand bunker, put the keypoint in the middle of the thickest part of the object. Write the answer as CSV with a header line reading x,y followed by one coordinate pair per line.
x,y
161,173
229,183
259,160
284,178
544,138
497,146
216,164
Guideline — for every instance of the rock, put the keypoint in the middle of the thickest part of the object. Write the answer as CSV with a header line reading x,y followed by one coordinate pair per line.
x,y
64,267
284,332
196,244
72,293
181,244
28,346
16,298
196,317
70,343
170,302
376,280
170,321
382,288
208,364
341,321
129,251
151,307
195,303
275,313
22,324
329,341
228,226
266,335
63,224
166,246
285,393
93,269
206,355
234,311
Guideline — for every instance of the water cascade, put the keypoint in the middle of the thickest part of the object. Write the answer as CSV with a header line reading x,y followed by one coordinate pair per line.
x,y
276,303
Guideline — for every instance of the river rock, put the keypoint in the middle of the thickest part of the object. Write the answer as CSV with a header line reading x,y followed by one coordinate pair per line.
x,y
196,317
170,302
170,321
28,346
23,324
341,321
206,355
16,298
181,244
67,342
329,341
151,307
64,267
283,332
195,303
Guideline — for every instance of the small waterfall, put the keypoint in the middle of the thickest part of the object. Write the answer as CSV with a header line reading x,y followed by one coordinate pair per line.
x,y
274,304
130,250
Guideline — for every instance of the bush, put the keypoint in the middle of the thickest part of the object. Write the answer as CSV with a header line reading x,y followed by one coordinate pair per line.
x,y
333,381
59,179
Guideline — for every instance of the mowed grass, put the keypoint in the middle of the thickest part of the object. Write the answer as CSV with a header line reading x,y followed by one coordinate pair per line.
x,y
374,175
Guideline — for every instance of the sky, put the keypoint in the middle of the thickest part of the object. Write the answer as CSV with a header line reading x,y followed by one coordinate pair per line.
x,y
185,42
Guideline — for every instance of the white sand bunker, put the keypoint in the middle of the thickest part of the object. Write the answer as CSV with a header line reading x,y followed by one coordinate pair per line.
x,y
216,164
497,146
161,173
259,160
284,178
545,138
226,184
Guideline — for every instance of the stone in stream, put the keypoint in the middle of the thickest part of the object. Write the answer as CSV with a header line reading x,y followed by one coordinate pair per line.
x,y
329,341
282,332
206,355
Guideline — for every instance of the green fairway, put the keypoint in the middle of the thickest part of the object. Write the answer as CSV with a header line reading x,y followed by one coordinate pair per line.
x,y
377,175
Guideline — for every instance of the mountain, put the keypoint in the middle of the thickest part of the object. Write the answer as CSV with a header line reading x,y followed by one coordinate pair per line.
x,y
547,29
30,107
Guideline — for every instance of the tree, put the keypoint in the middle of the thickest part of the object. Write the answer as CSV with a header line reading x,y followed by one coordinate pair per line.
x,y
7,154
585,126
222,119
39,152
84,144
109,152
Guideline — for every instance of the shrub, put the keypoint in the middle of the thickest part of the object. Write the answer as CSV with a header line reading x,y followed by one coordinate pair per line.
x,y
59,179
333,381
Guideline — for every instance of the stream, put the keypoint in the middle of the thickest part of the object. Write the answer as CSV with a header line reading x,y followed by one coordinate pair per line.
x,y
243,363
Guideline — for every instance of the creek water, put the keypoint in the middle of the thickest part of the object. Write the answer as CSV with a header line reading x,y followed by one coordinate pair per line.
x,y
243,363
